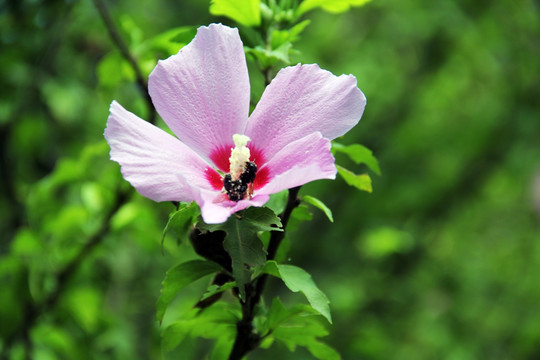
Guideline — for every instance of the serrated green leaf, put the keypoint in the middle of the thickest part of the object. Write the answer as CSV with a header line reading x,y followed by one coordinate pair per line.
x,y
297,279
261,219
333,6
180,276
242,243
320,205
180,222
216,322
359,154
361,182
245,12
299,330
277,314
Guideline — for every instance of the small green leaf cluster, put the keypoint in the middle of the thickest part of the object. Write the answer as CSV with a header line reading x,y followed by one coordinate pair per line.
x,y
236,258
250,12
359,154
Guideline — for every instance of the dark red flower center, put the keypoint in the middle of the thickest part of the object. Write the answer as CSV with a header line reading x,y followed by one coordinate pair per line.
x,y
257,175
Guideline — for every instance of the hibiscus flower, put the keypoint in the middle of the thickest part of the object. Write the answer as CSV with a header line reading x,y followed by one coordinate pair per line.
x,y
225,159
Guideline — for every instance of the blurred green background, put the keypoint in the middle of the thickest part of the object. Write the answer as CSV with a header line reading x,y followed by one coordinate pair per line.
x,y
441,261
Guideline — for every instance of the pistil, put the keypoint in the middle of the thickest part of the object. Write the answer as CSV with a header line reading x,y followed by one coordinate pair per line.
x,y
239,182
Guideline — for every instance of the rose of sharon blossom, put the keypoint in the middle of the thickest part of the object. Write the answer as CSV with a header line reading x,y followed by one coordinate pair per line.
x,y
224,159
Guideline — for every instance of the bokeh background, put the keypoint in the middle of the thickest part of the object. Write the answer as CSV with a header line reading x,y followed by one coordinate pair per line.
x,y
441,261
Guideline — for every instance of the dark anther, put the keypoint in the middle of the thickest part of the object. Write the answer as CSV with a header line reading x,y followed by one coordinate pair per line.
x,y
236,189
248,176
227,182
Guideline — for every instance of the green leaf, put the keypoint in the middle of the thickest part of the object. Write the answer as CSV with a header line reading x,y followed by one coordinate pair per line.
x,y
320,205
245,12
278,201
180,222
276,315
222,348
300,214
299,330
359,154
216,322
291,35
242,242
361,182
174,334
322,351
216,289
333,6
180,276
269,57
297,279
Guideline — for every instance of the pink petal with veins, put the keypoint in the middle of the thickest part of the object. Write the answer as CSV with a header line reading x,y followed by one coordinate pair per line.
x,y
202,93
303,99
298,163
158,165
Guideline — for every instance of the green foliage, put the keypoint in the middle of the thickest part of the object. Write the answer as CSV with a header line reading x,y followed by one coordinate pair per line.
x,y
359,154
361,182
297,279
242,243
304,330
333,6
180,222
453,118
297,327
244,12
278,201
114,69
299,215
177,278
320,205
270,57
216,289
216,322
280,37
385,241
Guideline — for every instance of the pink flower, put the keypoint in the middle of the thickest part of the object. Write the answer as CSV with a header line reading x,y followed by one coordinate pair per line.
x,y
202,93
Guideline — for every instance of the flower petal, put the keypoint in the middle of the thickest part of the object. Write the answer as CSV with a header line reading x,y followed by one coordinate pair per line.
x,y
217,209
202,93
298,163
301,100
159,166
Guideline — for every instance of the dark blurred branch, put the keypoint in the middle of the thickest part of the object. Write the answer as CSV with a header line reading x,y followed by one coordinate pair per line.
x,y
124,50
247,340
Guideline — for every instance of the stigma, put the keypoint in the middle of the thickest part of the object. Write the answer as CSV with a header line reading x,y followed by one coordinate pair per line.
x,y
238,183
239,156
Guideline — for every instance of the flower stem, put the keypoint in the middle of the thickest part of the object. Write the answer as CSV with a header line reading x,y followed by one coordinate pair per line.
x,y
246,339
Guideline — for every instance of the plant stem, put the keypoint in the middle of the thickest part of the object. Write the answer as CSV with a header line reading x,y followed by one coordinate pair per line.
x,y
246,339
